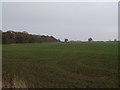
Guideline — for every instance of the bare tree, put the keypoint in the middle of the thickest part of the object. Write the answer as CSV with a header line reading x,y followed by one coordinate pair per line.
x,y
115,40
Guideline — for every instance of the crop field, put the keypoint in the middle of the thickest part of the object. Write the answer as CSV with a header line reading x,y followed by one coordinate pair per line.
x,y
60,65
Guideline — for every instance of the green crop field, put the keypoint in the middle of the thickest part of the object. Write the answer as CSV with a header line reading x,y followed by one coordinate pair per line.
x,y
61,65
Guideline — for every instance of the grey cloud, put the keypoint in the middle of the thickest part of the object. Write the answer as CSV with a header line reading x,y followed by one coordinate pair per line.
x,y
75,21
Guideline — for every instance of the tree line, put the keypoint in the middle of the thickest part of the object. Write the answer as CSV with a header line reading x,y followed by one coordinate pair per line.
x,y
10,37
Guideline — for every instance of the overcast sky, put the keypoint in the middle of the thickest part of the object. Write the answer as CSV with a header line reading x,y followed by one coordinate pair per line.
x,y
72,20
60,0
0,15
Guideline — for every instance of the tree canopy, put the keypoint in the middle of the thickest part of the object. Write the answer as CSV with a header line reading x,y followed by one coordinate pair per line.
x,y
10,37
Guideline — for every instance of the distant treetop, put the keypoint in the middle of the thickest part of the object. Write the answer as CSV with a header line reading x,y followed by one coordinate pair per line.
x,y
90,39
10,37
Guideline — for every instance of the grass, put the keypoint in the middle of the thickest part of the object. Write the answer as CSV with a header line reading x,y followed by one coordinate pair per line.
x,y
63,65
0,66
